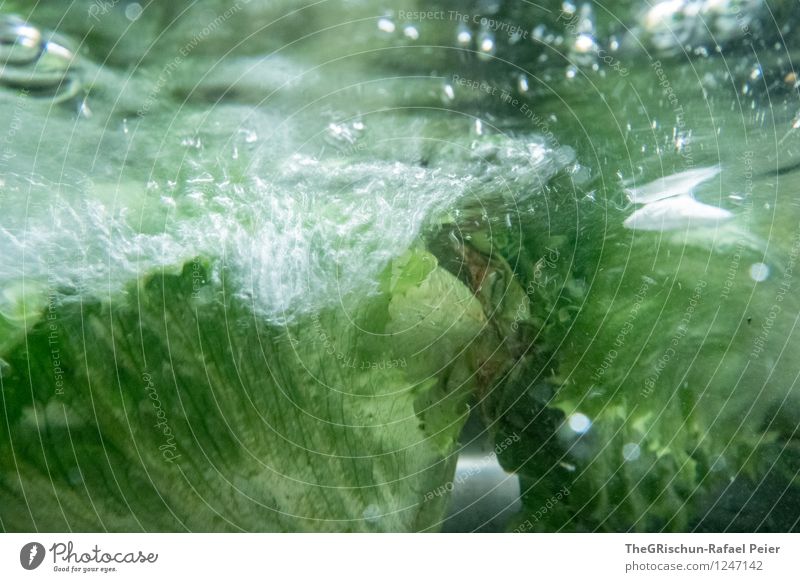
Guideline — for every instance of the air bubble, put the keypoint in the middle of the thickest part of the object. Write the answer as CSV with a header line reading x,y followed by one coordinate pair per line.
x,y
449,92
192,142
371,514
464,36
250,136
486,46
410,31
75,476
343,135
579,423
631,452
759,272
133,11
584,43
386,25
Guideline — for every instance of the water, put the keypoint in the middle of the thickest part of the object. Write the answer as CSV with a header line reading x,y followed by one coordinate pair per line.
x,y
330,236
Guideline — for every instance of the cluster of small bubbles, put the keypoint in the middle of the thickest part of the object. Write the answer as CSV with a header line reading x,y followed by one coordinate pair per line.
x,y
192,142
386,26
681,139
759,272
579,423
344,134
584,46
631,452
541,34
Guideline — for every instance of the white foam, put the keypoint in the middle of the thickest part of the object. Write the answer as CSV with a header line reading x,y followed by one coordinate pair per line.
x,y
292,237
